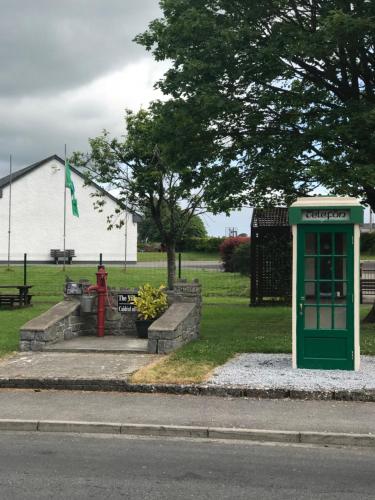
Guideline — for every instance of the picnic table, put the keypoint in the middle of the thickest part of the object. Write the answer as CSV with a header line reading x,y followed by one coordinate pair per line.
x,y
22,298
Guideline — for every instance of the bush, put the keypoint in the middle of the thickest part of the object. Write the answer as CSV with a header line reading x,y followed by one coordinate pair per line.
x,y
205,245
240,261
368,243
151,302
227,249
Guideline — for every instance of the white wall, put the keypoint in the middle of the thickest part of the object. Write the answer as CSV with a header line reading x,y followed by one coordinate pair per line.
x,y
37,220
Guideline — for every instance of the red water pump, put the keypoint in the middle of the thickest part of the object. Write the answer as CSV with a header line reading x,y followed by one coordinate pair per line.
x,y
101,289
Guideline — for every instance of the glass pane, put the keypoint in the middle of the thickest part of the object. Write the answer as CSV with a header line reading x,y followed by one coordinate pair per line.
x,y
325,292
326,243
340,292
340,244
310,318
310,244
325,318
310,268
325,268
310,293
340,268
340,318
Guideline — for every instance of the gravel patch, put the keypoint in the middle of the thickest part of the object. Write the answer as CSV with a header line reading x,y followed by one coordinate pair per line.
x,y
274,371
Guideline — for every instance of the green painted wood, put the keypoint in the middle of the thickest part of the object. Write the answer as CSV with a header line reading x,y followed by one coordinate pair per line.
x,y
295,215
325,292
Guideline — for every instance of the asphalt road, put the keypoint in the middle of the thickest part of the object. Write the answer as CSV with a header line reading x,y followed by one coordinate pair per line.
x,y
102,467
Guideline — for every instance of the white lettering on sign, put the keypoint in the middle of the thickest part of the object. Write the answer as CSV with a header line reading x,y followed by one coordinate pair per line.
x,y
125,302
325,215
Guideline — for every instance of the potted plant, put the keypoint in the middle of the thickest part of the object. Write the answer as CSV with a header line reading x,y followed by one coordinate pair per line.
x,y
150,303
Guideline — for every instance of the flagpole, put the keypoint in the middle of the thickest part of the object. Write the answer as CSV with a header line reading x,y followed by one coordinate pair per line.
x,y
126,240
10,208
64,246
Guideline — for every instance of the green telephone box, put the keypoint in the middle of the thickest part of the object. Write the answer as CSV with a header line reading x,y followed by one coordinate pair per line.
x,y
326,282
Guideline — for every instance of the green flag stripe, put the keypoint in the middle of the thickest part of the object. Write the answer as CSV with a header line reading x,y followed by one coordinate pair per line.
x,y
69,184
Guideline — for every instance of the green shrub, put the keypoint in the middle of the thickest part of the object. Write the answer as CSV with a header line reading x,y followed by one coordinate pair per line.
x,y
240,261
368,243
227,249
205,245
151,301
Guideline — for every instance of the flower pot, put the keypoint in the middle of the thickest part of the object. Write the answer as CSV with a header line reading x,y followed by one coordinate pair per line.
x,y
141,326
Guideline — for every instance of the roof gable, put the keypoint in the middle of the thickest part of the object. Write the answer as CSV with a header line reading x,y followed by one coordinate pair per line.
x,y
18,174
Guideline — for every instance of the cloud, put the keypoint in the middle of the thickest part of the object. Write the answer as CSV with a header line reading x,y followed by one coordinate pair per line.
x,y
37,126
69,69
51,45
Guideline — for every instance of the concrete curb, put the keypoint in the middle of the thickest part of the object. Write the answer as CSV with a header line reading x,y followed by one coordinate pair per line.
x,y
116,385
257,435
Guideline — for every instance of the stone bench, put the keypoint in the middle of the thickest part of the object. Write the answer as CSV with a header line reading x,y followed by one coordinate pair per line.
x,y
177,326
61,322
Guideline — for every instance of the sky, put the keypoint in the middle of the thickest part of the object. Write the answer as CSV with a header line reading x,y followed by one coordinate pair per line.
x,y
69,69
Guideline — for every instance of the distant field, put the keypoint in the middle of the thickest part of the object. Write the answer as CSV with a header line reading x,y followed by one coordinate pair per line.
x,y
49,280
157,256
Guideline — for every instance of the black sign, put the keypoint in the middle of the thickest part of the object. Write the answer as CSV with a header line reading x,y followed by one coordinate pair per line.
x,y
125,302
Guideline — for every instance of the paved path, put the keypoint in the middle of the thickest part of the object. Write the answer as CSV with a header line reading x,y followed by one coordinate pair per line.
x,y
49,366
210,411
115,344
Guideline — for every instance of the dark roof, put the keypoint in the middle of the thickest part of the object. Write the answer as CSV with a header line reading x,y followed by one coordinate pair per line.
x,y
270,217
4,181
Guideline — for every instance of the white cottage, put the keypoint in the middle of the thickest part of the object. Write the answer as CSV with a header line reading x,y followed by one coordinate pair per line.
x,y
37,218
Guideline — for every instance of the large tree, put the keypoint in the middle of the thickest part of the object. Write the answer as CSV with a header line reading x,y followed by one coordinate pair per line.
x,y
287,88
148,231
153,168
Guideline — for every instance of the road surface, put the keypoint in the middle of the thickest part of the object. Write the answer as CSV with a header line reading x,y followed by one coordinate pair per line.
x,y
57,466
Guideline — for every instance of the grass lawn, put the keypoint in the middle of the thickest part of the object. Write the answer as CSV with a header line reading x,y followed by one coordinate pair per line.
x,y
49,279
158,256
230,328
12,319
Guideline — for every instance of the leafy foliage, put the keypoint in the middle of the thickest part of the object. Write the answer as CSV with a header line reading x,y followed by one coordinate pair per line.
x,y
287,88
151,302
368,243
153,168
227,249
241,259
206,245
149,232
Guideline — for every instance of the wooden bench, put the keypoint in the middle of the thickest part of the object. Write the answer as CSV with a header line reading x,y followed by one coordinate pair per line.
x,y
58,255
11,300
22,298
367,275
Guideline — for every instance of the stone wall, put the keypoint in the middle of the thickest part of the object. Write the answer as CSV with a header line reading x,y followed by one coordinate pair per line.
x,y
178,325
181,322
61,322
115,323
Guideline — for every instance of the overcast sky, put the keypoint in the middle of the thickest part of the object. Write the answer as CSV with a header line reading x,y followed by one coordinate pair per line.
x,y
69,68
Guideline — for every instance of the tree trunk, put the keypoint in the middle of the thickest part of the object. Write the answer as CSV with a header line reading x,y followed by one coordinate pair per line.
x,y
171,264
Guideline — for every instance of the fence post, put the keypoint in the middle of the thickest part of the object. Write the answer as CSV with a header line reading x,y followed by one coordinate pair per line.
x,y
179,265
25,269
100,259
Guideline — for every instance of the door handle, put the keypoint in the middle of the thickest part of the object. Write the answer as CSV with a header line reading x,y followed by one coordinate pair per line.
x,y
301,308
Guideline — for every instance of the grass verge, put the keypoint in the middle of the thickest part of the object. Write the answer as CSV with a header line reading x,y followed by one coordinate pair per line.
x,y
13,319
228,329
